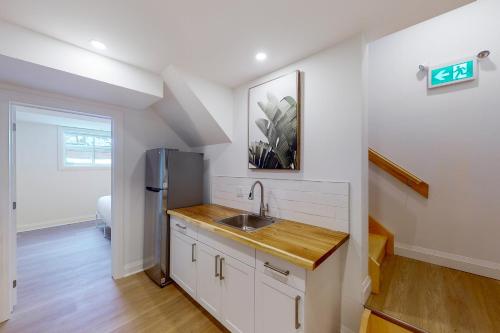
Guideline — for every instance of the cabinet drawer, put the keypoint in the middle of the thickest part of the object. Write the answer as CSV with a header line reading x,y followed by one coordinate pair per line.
x,y
184,227
281,270
229,247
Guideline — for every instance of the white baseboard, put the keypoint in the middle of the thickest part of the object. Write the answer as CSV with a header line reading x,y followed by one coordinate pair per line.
x,y
133,268
54,223
366,288
476,266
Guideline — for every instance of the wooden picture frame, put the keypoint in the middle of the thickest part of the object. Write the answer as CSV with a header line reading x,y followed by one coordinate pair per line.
x,y
274,115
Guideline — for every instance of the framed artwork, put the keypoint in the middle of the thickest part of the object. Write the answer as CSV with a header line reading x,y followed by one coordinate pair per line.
x,y
274,124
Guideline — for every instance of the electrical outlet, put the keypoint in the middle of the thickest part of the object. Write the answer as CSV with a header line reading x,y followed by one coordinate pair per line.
x,y
240,193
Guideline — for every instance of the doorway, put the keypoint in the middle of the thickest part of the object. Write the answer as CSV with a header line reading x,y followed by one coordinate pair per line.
x,y
61,183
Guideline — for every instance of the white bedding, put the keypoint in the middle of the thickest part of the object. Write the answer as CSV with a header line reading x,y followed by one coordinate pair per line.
x,y
104,209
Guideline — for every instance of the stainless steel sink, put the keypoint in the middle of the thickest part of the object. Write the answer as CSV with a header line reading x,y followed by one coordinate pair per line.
x,y
247,222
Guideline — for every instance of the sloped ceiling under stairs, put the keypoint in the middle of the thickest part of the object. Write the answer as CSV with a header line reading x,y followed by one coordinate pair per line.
x,y
199,111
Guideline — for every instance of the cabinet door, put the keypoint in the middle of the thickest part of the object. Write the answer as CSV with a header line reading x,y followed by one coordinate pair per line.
x,y
237,295
183,259
278,308
208,289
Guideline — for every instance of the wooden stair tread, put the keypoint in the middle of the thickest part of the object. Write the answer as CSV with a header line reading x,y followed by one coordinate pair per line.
x,y
377,244
371,322
434,298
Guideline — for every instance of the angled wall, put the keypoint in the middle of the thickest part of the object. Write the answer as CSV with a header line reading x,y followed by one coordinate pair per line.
x,y
201,112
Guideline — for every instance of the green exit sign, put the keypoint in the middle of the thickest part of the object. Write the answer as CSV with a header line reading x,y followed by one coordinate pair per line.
x,y
452,73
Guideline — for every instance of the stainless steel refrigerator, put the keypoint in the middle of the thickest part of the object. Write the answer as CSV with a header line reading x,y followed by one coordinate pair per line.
x,y
174,179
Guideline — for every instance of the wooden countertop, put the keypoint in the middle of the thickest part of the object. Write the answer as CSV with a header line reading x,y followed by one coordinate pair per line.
x,y
304,245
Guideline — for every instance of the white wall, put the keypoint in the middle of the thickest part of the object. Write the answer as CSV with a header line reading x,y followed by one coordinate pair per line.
x,y
46,195
143,131
134,132
332,147
447,136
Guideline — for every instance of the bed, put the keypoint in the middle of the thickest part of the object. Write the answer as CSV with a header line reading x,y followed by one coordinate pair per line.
x,y
104,210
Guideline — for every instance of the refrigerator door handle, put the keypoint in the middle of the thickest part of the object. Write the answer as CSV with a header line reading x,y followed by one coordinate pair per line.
x,y
165,180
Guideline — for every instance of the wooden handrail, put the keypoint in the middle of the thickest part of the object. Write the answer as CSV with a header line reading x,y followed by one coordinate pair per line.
x,y
401,174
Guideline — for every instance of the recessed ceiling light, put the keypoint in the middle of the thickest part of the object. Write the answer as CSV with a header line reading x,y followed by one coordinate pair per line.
x,y
98,45
261,56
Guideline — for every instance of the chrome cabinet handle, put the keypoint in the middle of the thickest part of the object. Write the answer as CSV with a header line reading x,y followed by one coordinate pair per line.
x,y
297,324
181,226
193,259
276,269
216,259
221,277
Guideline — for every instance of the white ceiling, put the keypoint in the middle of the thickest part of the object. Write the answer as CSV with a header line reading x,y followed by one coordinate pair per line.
x,y
51,117
217,39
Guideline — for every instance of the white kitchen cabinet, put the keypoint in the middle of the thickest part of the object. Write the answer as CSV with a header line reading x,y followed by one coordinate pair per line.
x,y
279,308
290,299
183,261
208,290
251,291
237,295
225,288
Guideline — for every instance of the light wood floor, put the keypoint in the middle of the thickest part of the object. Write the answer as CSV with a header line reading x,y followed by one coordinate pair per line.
x,y
65,285
437,299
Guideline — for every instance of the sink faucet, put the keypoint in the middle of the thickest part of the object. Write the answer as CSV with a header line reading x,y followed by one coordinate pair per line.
x,y
263,208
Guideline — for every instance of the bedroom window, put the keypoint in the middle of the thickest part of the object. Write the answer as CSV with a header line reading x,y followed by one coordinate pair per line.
x,y
82,148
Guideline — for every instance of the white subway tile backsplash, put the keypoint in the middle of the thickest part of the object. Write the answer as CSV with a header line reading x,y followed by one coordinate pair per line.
x,y
320,203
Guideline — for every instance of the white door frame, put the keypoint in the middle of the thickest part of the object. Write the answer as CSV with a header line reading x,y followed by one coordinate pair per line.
x,y
12,212
117,189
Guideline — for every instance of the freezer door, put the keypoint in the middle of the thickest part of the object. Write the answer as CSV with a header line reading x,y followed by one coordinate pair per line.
x,y
155,168
185,179
156,236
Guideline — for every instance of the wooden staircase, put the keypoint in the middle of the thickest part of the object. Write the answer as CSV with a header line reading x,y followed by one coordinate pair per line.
x,y
381,243
381,240
372,323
